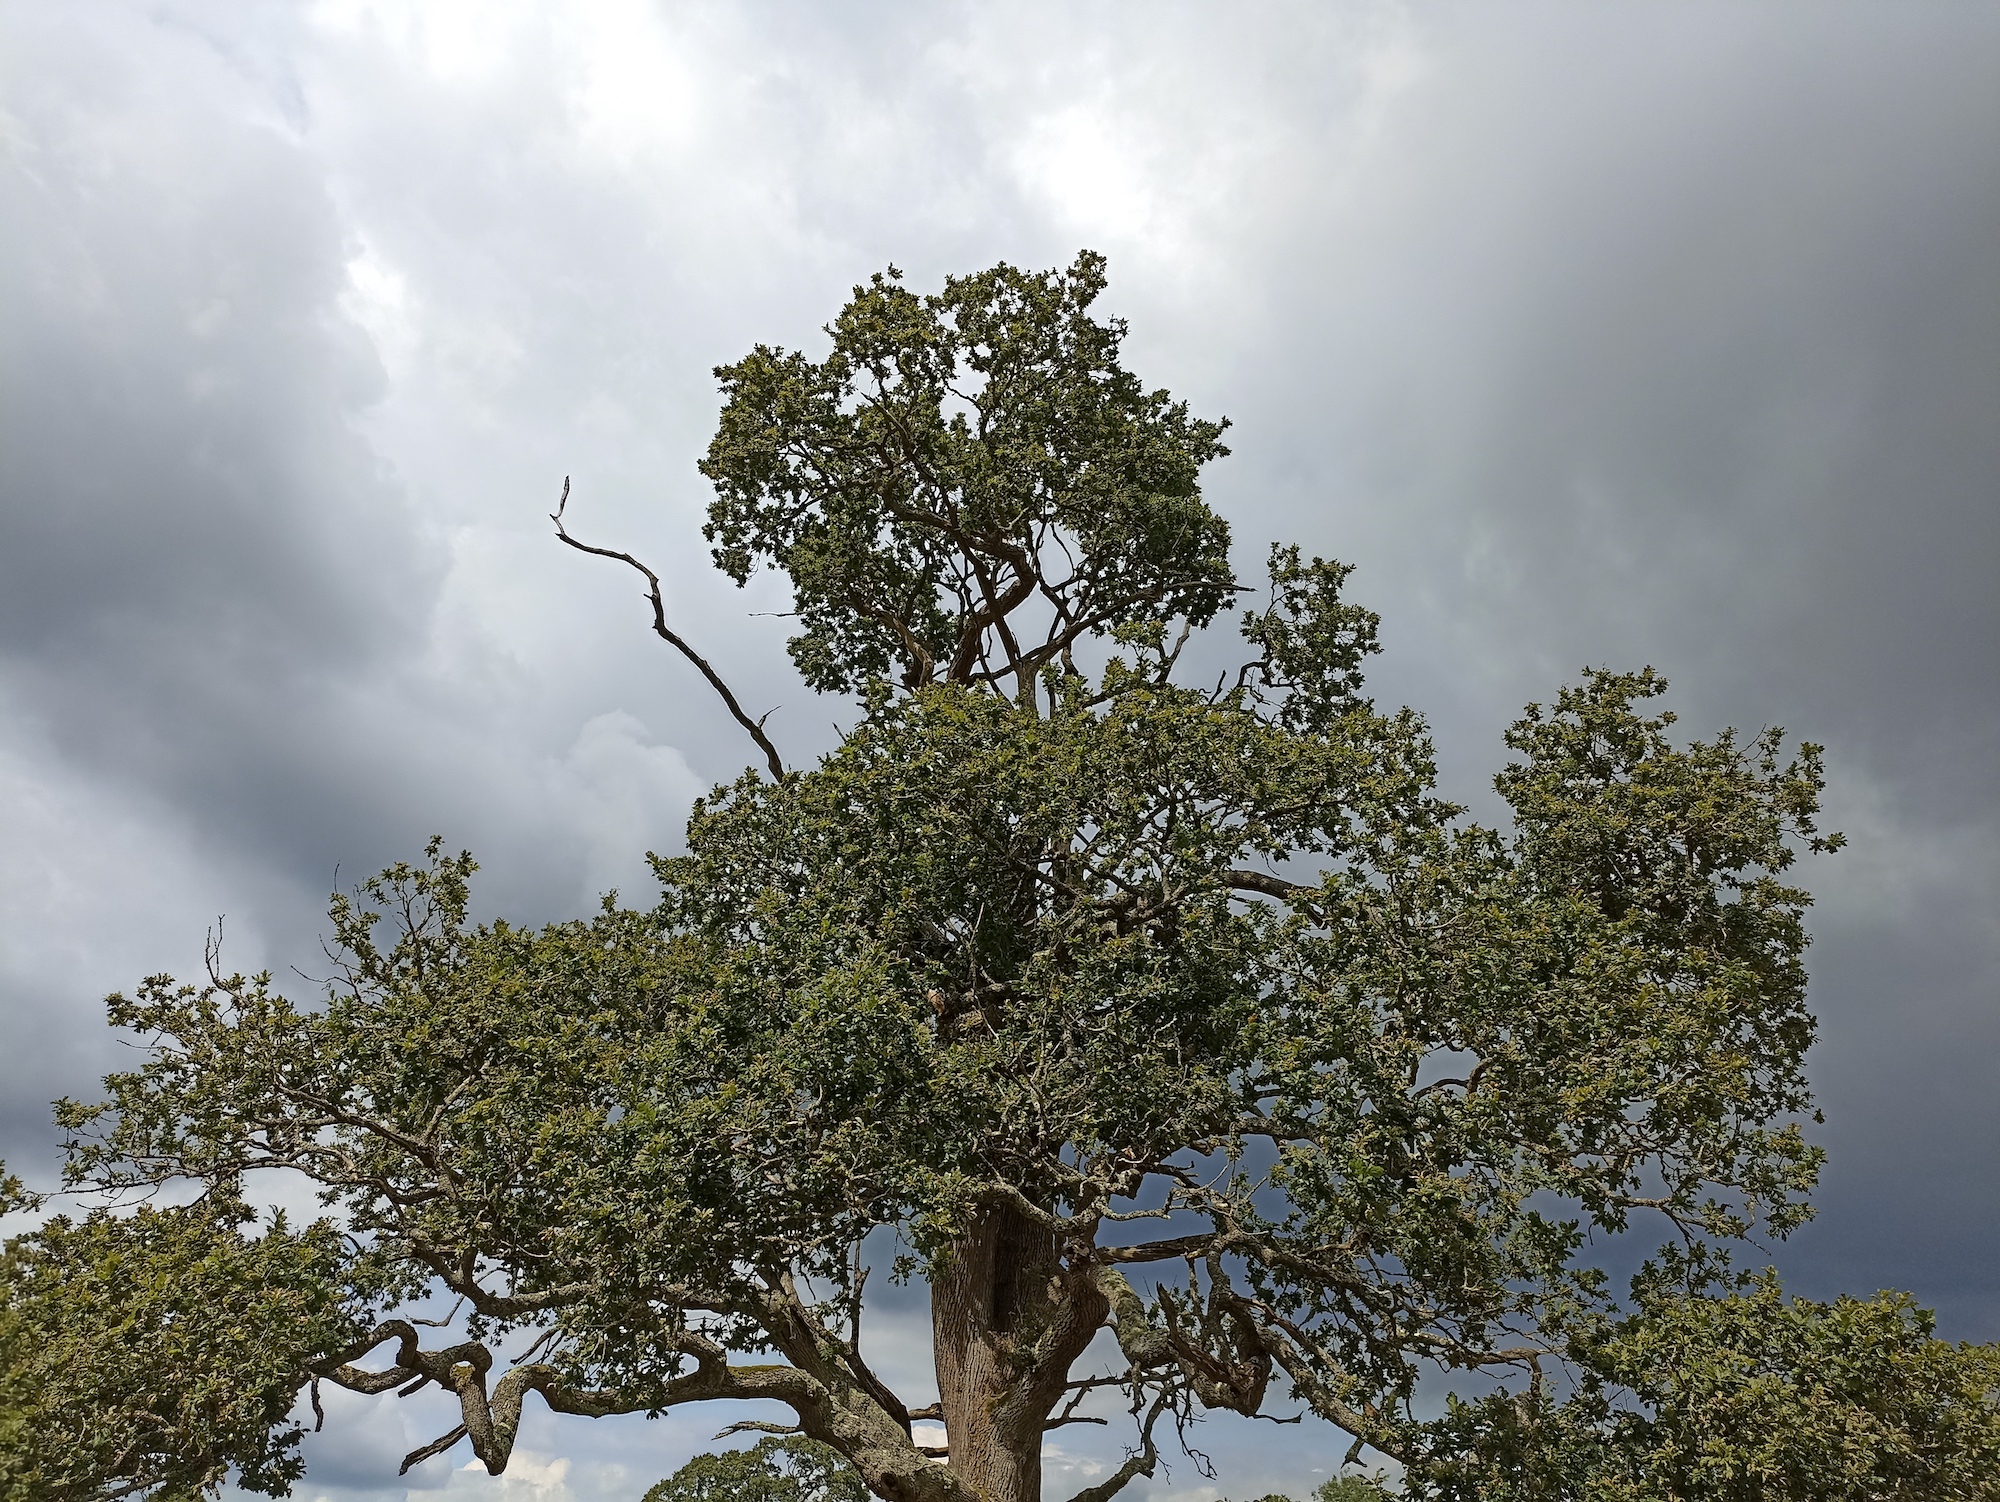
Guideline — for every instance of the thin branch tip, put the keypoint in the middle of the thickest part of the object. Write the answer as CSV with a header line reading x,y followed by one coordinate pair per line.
x,y
657,600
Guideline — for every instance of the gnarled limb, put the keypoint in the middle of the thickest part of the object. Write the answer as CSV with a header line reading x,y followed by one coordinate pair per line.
x,y
1210,1346
491,1421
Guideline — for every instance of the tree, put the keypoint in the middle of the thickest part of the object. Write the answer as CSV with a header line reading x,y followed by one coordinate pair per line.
x,y
1091,992
775,1469
1716,1388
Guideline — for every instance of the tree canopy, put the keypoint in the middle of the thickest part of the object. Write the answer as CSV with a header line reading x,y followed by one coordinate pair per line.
x,y
1087,992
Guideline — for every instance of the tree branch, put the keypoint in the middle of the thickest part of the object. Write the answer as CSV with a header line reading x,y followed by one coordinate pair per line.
x,y
1269,886
491,1422
665,633
1320,1396
1140,1462
757,1426
436,1447
1174,1249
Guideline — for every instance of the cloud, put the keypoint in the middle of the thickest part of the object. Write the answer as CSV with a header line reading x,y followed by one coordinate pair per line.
x,y
1658,334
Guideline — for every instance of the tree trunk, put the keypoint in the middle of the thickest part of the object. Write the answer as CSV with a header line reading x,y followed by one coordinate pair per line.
x,y
1007,1322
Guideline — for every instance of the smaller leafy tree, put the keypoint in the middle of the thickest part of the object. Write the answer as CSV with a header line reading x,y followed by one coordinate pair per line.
x,y
778,1468
1349,1489
1340,1489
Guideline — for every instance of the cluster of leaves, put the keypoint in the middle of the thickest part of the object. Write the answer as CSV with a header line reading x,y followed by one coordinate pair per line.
x,y
157,1352
1717,1388
953,458
1341,1489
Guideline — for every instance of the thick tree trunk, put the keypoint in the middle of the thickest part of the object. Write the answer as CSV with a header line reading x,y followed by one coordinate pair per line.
x,y
1007,1321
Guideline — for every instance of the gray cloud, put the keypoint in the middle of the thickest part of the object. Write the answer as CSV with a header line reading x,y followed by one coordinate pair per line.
x,y
1682,359
1664,334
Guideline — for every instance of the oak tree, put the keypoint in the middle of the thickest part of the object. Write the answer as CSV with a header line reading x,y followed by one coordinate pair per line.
x,y
1094,994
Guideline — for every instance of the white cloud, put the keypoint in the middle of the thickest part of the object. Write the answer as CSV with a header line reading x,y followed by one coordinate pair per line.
x,y
626,794
634,89
378,299
455,41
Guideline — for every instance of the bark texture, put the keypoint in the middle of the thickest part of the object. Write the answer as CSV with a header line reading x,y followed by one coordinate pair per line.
x,y
1008,1319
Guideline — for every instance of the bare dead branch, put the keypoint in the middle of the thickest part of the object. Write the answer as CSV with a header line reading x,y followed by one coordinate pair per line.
x,y
436,1447
1141,1462
672,638
757,1426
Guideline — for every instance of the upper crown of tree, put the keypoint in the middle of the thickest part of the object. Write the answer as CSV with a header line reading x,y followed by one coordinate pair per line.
x,y
968,484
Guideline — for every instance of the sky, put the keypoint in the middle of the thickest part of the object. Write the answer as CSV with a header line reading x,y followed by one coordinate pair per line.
x,y
1591,335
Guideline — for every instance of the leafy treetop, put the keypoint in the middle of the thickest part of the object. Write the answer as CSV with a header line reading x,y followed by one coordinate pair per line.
x,y
959,466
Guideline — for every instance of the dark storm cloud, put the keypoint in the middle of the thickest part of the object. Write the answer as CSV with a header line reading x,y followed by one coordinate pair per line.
x,y
1680,344
1737,405
1594,335
187,518
201,550
218,605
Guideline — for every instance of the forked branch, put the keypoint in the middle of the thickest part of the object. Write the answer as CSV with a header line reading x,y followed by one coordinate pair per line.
x,y
491,1420
670,636
1140,1462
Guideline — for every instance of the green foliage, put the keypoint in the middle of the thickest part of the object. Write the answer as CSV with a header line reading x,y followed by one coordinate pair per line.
x,y
1350,1489
1058,979
16,1396
1341,1489
790,1468
912,484
1756,1395
1719,1389
152,1353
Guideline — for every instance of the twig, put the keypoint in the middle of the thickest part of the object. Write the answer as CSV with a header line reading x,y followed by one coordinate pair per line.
x,y
756,1426
440,1324
662,630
